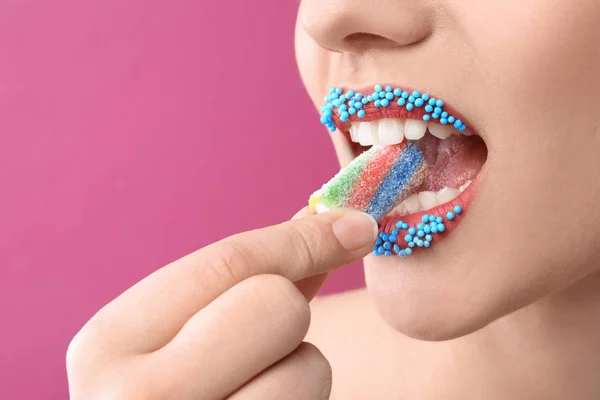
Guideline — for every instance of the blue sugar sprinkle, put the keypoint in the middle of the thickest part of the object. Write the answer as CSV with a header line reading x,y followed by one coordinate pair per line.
x,y
439,220
402,101
399,224
408,252
396,249
410,106
385,237
434,229
338,91
361,114
378,88
393,238
378,241
366,100
412,231
350,93
352,111
444,114
441,227
427,229
405,95
428,108
429,238
425,96
458,209
450,216
439,103
420,243
398,92
358,104
382,95
451,119
388,89
443,121
404,225
416,94
416,239
359,96
426,117
420,234
389,96
432,101
419,102
394,232
385,102
411,99
388,253
411,245
377,103
437,110
345,116
425,218
402,253
426,243
369,99
387,245
457,123
375,253
408,238
435,115
381,250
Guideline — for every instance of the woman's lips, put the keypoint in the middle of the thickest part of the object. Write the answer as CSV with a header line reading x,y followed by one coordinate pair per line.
x,y
344,111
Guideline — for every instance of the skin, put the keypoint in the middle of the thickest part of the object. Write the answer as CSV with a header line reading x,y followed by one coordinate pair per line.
x,y
523,73
508,306
223,322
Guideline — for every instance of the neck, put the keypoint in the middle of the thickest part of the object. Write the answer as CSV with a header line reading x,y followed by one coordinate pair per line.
x,y
551,346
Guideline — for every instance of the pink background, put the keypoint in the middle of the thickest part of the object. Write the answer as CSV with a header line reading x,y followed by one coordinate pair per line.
x,y
134,132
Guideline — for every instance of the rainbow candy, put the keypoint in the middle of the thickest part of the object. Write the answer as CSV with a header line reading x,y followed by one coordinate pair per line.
x,y
375,182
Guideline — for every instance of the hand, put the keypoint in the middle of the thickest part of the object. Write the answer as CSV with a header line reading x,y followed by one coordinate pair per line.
x,y
227,321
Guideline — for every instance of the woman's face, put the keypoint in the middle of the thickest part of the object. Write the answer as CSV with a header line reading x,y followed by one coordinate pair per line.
x,y
524,75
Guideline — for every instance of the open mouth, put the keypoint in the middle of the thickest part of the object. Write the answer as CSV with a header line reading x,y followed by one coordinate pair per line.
x,y
454,154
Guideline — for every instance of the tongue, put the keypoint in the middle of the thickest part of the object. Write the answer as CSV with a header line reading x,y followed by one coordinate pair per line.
x,y
453,161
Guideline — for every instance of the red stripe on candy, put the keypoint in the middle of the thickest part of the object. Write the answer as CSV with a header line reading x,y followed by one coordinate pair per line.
x,y
367,184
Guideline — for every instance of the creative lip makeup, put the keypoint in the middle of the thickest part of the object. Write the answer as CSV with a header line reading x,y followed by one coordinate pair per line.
x,y
453,152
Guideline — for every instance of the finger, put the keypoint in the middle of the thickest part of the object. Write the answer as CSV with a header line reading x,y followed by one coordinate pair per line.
x,y
304,374
150,314
249,328
309,286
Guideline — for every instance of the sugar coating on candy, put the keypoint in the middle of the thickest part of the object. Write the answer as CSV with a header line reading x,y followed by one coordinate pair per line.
x,y
376,181
335,193
405,176
372,176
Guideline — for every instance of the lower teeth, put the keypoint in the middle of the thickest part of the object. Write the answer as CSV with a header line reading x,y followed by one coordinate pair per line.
x,y
427,200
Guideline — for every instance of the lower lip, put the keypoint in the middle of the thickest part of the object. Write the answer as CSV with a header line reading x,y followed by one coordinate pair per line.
x,y
388,223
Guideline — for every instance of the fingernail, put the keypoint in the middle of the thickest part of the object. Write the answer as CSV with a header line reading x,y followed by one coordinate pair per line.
x,y
355,230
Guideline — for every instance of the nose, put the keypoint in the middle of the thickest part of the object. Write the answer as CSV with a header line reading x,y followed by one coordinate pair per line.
x,y
359,25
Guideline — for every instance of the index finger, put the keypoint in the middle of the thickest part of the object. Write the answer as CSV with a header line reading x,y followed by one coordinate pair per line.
x,y
150,314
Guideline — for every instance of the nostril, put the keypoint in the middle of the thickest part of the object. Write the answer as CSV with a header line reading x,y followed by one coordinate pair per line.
x,y
363,40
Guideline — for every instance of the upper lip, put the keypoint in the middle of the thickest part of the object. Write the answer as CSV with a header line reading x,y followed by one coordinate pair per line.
x,y
394,110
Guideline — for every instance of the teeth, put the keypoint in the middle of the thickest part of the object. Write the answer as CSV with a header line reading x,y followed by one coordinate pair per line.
x,y
367,133
463,187
415,129
391,131
447,194
354,133
441,131
413,204
428,200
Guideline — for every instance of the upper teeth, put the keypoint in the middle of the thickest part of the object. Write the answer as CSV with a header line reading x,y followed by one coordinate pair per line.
x,y
391,131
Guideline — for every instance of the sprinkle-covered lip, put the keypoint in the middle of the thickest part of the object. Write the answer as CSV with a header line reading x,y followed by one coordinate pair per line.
x,y
402,235
343,106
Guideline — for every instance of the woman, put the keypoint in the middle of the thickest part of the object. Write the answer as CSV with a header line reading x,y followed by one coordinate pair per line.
x,y
506,306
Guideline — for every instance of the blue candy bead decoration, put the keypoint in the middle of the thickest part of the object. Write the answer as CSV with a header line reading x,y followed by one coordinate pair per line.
x,y
410,106
427,229
378,241
385,102
408,238
439,220
404,225
428,108
411,244
402,253
425,218
426,117
387,245
377,103
429,238
458,209
425,96
389,96
396,249
378,88
399,224
451,119
412,231
361,114
419,102
405,95
397,92
450,216
352,110
401,101
441,227
420,234
426,243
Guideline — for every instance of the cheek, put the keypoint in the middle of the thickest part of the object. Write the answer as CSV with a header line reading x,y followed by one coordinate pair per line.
x,y
312,65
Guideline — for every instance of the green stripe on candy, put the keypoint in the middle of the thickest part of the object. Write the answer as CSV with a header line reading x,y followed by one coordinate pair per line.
x,y
335,193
